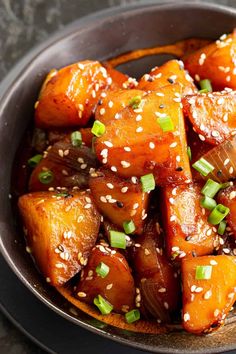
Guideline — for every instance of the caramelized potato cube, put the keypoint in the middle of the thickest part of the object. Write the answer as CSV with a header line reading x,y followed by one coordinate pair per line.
x,y
117,287
187,230
157,279
215,62
69,96
118,199
136,145
213,115
60,232
169,73
206,302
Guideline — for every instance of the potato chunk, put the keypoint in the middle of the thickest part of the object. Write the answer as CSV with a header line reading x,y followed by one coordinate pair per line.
x,y
136,144
185,222
117,287
69,96
169,73
206,302
212,115
156,277
215,62
119,199
60,232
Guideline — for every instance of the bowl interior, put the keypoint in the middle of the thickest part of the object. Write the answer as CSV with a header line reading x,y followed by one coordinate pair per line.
x,y
99,37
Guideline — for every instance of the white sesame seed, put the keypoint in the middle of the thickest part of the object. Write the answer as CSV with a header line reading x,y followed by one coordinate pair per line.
x,y
226,161
172,218
103,199
171,200
232,195
109,286
162,290
209,232
186,317
110,104
127,148
225,117
60,153
110,185
173,145
125,164
193,288
147,252
48,280
136,205
81,294
113,168
201,137
152,145
215,133
216,312
207,295
83,166
124,189
102,111
178,159
199,289
104,152
108,143
202,59
87,206
231,170
166,305
139,130
138,118
81,66
175,248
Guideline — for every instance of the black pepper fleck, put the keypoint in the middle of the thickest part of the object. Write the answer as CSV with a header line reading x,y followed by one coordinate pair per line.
x,y
119,204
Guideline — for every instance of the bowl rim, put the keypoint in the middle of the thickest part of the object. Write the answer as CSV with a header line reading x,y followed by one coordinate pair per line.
x,y
18,73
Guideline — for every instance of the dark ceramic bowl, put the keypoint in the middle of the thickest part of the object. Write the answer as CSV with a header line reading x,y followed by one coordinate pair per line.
x,y
100,36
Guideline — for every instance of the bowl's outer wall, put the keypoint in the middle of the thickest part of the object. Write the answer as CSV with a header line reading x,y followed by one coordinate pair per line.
x,y
100,37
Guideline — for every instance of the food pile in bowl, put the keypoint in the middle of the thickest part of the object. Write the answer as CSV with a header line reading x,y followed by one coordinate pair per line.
x,y
130,205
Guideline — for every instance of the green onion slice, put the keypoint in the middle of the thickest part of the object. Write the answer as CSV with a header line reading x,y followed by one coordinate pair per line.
x,y
135,102
203,272
166,123
33,161
208,203
132,316
117,239
203,91
221,228
189,152
218,214
103,305
46,177
76,138
129,226
102,269
205,85
98,128
211,188
203,166
148,182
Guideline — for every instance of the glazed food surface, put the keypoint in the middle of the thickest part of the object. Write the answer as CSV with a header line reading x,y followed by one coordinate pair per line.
x,y
126,193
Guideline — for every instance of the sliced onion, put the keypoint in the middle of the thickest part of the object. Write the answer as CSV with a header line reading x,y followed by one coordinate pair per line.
x,y
223,159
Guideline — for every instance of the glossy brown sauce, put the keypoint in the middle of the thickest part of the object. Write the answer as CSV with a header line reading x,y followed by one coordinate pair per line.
x,y
178,49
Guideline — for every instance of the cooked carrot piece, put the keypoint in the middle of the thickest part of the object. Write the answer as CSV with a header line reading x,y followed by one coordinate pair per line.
x,y
209,291
227,197
215,62
169,73
156,277
117,287
70,95
109,107
69,166
136,144
119,199
60,232
185,222
213,115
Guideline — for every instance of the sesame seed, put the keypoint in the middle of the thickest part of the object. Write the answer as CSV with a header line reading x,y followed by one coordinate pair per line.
x,y
110,104
199,289
110,185
113,168
201,137
178,158
109,286
175,248
125,164
103,199
147,252
60,153
138,118
225,117
186,317
160,94
166,305
162,290
215,133
193,288
226,162
139,130
172,218
28,249
171,200
48,280
231,295
137,245
136,205
81,294
207,295
173,145
209,232
124,189
202,59
80,160
231,170
87,206
117,116
216,312
108,143
228,78
127,148
83,166
80,218
102,111
81,66
152,145
232,195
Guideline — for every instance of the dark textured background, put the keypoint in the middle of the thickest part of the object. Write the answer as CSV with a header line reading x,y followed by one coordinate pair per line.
x,y
23,24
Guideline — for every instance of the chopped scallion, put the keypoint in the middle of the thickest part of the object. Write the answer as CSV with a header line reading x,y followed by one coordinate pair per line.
x,y
103,305
135,102
98,128
132,316
189,152
117,239
211,188
129,226
218,214
205,85
102,269
76,138
166,123
208,203
203,167
148,182
46,177
33,161
221,228
203,272
203,91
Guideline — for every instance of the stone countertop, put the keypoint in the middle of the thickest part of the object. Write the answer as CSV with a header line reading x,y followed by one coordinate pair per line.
x,y
23,24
